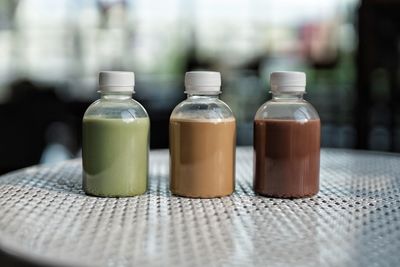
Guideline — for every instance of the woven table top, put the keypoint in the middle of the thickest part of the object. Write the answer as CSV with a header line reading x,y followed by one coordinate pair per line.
x,y
354,221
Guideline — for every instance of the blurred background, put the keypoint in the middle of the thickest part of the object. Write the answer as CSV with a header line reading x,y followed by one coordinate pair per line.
x,y
51,53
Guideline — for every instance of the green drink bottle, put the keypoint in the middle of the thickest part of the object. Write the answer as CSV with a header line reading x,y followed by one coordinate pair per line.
x,y
115,140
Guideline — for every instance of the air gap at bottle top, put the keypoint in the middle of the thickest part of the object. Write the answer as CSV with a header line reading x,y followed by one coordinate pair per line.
x,y
115,140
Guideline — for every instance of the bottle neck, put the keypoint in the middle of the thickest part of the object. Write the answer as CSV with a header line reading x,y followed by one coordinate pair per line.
x,y
118,96
287,96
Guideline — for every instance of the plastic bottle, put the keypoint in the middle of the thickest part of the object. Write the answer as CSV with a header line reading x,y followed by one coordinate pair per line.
x,y
287,140
115,140
202,140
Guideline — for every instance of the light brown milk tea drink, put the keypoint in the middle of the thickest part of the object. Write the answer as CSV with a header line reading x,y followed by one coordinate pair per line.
x,y
202,140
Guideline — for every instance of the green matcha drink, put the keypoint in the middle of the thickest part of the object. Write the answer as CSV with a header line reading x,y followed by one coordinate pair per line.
x,y
116,156
115,140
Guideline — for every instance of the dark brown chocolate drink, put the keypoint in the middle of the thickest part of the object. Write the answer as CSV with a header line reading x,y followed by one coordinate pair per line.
x,y
286,157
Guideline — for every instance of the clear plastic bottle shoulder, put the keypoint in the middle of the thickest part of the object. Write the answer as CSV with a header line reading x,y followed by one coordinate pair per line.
x,y
202,108
116,109
298,110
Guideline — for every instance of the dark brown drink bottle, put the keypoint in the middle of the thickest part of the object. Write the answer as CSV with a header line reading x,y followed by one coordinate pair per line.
x,y
287,141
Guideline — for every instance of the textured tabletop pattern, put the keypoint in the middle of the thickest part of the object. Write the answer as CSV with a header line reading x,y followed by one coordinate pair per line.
x,y
354,221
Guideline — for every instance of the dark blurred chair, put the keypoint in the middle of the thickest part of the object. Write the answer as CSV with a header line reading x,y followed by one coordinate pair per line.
x,y
26,118
378,81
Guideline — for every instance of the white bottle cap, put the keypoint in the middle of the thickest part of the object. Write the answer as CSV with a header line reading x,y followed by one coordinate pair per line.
x,y
288,81
116,81
208,82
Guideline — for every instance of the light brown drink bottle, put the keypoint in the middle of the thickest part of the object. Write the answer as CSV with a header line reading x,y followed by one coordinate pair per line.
x,y
202,140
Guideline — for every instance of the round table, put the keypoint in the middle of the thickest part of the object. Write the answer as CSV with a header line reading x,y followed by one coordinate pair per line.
x,y
354,221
